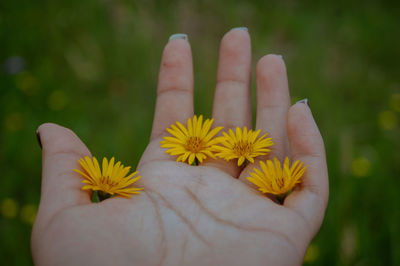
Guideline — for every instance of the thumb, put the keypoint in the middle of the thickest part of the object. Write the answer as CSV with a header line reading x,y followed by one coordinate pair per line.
x,y
61,186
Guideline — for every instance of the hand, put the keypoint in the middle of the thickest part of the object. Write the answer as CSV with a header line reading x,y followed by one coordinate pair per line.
x,y
190,215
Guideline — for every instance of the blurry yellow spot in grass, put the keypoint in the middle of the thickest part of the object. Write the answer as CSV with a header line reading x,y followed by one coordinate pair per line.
x,y
28,213
360,167
13,121
9,208
395,102
57,100
27,83
312,253
387,120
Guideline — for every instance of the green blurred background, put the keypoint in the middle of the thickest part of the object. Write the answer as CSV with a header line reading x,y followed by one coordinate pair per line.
x,y
92,66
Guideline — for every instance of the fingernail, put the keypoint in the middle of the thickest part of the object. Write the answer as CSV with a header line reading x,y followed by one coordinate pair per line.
x,y
305,101
241,28
281,57
38,139
178,36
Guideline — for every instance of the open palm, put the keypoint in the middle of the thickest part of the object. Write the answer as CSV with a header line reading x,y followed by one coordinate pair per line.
x,y
190,215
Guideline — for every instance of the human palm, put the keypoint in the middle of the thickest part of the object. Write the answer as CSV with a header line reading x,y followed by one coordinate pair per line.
x,y
190,215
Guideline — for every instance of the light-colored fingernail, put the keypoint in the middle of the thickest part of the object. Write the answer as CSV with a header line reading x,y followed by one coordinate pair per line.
x,y
178,36
241,28
305,101
280,56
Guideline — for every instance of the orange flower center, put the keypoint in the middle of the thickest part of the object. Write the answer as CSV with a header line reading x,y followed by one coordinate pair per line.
x,y
194,144
243,147
106,180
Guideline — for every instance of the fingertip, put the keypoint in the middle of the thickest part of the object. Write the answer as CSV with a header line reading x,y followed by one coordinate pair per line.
x,y
176,59
178,36
236,34
235,57
236,44
271,58
177,55
270,65
46,125
177,44
303,132
298,111
300,118
54,138
52,128
180,44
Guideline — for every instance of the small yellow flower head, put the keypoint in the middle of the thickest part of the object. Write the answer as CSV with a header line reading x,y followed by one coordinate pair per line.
x,y
112,180
192,142
244,145
275,180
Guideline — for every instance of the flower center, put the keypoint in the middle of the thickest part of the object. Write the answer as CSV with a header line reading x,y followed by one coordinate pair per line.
x,y
194,144
243,148
106,180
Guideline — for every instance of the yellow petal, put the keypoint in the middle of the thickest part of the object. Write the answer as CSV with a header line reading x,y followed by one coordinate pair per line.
x,y
241,160
190,127
199,126
212,133
96,167
182,128
105,166
206,128
191,158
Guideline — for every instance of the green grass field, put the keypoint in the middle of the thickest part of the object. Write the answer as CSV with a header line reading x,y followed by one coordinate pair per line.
x,y
92,66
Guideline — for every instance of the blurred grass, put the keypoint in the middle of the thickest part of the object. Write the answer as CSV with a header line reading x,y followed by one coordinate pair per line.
x,y
92,66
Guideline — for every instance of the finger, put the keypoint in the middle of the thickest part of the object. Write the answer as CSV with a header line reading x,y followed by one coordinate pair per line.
x,y
175,85
273,101
232,98
61,186
306,144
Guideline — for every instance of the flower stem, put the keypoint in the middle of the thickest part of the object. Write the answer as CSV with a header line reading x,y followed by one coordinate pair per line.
x,y
103,195
281,198
95,197
195,162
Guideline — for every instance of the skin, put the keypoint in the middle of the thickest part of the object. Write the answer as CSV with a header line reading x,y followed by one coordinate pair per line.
x,y
190,215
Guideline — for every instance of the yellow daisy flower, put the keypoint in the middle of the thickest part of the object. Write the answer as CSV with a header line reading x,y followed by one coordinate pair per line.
x,y
193,142
244,145
112,180
275,180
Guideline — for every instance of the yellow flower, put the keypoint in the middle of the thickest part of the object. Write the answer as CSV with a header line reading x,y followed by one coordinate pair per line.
x,y
244,145
275,180
192,142
112,180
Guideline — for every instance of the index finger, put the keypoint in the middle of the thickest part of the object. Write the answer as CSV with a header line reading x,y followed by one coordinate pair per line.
x,y
175,85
